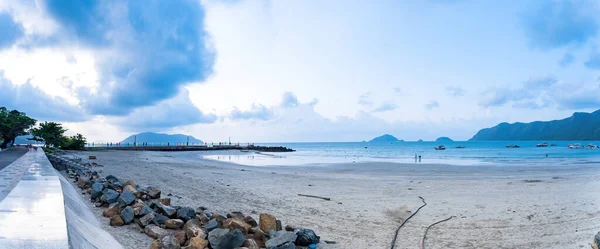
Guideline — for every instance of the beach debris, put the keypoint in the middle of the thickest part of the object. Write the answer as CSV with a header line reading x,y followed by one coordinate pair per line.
x,y
91,157
430,226
314,196
306,237
529,217
532,181
329,242
406,220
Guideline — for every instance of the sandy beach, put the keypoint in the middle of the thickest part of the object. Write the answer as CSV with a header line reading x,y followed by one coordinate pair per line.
x,y
494,206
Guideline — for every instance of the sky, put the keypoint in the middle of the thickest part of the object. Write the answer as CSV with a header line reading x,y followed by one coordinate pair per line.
x,y
298,70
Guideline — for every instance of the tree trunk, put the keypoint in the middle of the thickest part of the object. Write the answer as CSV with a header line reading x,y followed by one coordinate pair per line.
x,y
4,144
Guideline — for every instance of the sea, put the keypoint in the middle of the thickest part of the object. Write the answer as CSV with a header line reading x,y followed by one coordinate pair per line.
x,y
474,153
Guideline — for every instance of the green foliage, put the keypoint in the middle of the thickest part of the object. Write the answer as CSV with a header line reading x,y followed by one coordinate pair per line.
x,y
76,142
12,124
52,133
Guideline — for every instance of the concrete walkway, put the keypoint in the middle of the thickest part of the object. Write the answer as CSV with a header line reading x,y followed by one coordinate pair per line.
x,y
32,212
10,155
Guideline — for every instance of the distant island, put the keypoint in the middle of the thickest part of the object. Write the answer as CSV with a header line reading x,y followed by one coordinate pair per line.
x,y
151,137
580,126
386,138
444,139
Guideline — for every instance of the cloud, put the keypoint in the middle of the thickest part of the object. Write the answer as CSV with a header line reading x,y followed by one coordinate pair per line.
x,y
256,112
529,89
554,24
455,91
385,107
364,100
289,100
177,111
593,61
10,31
432,104
160,46
37,104
566,60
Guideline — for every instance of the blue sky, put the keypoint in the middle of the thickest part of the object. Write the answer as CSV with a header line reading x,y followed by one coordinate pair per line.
x,y
298,70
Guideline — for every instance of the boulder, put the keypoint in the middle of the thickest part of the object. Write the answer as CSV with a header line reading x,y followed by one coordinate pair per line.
x,y
146,219
144,211
130,188
111,179
159,219
168,242
306,237
260,238
211,225
225,239
279,239
116,221
80,183
164,201
192,229
127,215
197,243
154,194
596,242
97,190
129,182
235,223
110,196
112,210
126,198
267,222
286,245
251,244
203,218
250,221
166,210
180,237
236,214
174,223
154,231
219,218
186,213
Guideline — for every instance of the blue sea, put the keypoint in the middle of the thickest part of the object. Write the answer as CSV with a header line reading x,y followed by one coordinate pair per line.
x,y
474,153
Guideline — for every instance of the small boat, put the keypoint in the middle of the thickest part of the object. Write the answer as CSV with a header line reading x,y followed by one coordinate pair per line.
x,y
592,146
544,144
460,147
553,145
513,146
575,146
441,147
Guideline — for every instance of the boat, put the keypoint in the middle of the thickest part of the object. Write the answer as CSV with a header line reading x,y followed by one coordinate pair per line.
x,y
592,146
513,146
553,145
460,147
575,146
544,144
441,147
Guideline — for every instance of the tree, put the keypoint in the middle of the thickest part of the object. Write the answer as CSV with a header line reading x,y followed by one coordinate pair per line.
x,y
76,142
13,124
52,133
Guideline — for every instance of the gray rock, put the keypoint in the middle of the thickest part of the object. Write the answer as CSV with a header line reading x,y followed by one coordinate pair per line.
x,y
110,196
126,198
159,219
597,239
186,213
127,215
97,190
287,245
208,213
146,210
166,210
169,242
306,237
146,219
280,238
211,225
111,179
225,239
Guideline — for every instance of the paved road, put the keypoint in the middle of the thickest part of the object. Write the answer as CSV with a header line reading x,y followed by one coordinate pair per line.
x,y
9,156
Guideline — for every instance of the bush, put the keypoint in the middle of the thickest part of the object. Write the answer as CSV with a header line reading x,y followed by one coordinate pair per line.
x,y
76,142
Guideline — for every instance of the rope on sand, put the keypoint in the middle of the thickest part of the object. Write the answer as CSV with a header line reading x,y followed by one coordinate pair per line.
x,y
404,222
430,226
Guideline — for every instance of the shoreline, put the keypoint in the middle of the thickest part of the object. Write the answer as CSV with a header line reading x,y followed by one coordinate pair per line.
x,y
510,207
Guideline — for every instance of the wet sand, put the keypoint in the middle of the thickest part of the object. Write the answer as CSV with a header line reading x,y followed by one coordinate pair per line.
x,y
495,206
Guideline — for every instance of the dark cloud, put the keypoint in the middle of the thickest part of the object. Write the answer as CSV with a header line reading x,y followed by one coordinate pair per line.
x,y
37,104
385,107
553,24
455,91
289,100
566,60
146,50
10,31
177,111
432,104
593,61
256,112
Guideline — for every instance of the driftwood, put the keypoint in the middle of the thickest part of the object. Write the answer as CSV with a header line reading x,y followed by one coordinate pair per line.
x,y
404,222
314,196
430,226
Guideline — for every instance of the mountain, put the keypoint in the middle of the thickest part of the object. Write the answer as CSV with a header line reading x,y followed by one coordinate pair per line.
x,y
444,139
580,126
387,138
151,137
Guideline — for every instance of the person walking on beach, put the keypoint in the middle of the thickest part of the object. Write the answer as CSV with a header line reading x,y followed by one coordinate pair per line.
x,y
419,158
415,157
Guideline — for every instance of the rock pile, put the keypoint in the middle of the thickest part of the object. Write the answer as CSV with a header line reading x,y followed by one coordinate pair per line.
x,y
175,227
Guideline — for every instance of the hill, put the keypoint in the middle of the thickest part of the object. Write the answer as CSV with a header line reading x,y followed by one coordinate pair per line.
x,y
444,139
151,137
386,138
580,126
